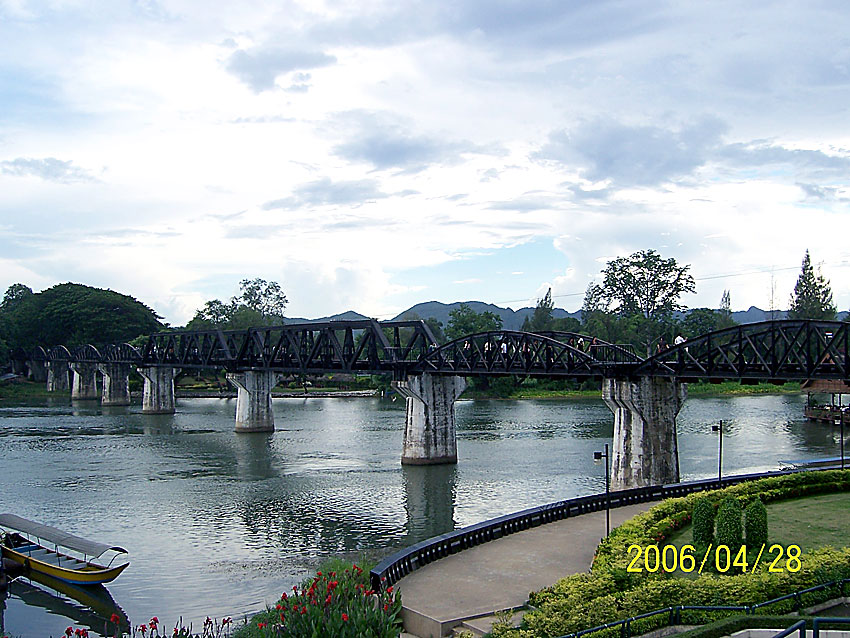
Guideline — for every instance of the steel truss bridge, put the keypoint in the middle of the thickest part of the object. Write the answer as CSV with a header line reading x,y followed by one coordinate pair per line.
x,y
774,351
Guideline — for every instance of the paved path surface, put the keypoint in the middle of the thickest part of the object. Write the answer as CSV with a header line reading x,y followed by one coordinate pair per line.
x,y
500,574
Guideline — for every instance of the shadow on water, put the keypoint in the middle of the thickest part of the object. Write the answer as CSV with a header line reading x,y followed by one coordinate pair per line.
x,y
254,456
430,492
92,607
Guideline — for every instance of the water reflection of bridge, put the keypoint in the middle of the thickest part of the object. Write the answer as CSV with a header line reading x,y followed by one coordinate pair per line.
x,y
645,394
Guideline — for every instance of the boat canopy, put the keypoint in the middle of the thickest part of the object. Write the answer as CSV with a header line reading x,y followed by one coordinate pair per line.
x,y
57,536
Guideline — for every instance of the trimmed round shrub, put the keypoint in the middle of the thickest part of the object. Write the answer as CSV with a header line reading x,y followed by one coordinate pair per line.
x,y
730,532
703,522
755,523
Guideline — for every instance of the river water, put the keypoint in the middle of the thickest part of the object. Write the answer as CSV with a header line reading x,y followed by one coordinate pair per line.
x,y
221,524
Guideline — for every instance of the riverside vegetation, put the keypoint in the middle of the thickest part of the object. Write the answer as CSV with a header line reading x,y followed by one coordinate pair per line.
x,y
610,592
335,603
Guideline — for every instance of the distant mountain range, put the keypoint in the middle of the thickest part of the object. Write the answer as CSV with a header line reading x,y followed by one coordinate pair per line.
x,y
513,319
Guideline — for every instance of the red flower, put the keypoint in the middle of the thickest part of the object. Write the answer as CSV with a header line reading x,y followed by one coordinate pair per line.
x,y
282,619
386,607
114,618
390,589
319,573
344,617
278,606
154,622
261,625
328,600
284,597
143,629
69,631
77,632
226,621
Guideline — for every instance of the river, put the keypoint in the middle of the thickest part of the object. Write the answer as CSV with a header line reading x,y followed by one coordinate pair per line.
x,y
221,524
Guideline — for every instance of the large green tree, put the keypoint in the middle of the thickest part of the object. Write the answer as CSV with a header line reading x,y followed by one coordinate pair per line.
x,y
812,296
259,303
541,319
637,298
645,283
463,320
725,319
71,315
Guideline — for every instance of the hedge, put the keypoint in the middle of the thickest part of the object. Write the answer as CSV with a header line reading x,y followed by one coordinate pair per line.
x,y
610,593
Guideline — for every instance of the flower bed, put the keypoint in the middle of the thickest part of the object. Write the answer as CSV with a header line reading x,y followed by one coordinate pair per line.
x,y
330,604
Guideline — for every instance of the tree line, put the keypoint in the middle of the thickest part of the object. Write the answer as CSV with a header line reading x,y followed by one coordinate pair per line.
x,y
637,302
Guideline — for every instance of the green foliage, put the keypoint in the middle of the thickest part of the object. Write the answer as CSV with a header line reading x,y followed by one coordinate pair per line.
x,y
703,518
72,314
464,320
755,523
331,604
699,321
725,319
578,609
541,319
644,283
812,296
730,531
605,595
259,303
656,524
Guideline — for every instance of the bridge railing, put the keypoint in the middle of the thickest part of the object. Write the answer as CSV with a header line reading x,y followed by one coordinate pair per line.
x,y
395,567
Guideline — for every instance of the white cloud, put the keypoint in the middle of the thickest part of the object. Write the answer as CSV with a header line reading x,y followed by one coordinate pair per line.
x,y
353,151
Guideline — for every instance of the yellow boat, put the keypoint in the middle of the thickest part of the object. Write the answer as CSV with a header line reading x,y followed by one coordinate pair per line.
x,y
36,556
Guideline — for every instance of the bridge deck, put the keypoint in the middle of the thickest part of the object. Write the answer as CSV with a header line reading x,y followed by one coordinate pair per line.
x,y
499,575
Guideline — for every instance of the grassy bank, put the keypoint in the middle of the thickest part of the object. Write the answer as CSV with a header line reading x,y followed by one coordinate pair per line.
x,y
24,389
20,390
732,388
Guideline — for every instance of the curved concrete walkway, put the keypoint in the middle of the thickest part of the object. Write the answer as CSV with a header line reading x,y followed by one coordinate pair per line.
x,y
500,574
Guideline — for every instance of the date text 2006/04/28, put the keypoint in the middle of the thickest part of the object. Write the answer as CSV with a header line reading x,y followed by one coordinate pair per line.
x,y
671,558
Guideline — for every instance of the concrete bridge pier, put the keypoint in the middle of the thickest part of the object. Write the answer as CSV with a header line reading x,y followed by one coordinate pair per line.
x,y
37,370
116,383
645,448
158,396
58,376
430,435
84,381
254,400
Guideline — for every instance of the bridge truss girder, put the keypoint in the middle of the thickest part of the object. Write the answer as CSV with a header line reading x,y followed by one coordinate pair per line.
x,y
774,351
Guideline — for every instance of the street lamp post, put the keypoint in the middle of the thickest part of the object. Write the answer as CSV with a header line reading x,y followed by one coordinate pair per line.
x,y
840,421
598,456
719,429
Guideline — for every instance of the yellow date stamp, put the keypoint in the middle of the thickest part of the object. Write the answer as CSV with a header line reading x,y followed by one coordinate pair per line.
x,y
719,558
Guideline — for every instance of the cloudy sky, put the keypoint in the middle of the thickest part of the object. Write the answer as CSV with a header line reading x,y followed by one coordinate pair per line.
x,y
372,154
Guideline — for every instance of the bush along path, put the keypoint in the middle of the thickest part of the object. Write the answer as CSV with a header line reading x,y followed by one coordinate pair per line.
x,y
612,591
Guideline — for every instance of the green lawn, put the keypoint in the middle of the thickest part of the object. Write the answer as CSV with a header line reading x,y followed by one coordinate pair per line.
x,y
808,522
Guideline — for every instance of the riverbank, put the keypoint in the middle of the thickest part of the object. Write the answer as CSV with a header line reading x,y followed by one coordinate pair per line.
x,y
19,389
22,389
702,389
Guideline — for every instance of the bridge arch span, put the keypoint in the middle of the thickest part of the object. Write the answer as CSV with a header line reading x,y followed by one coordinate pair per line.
x,y
776,351
509,352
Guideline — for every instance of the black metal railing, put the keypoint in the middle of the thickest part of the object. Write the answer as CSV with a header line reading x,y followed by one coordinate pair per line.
x,y
395,567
